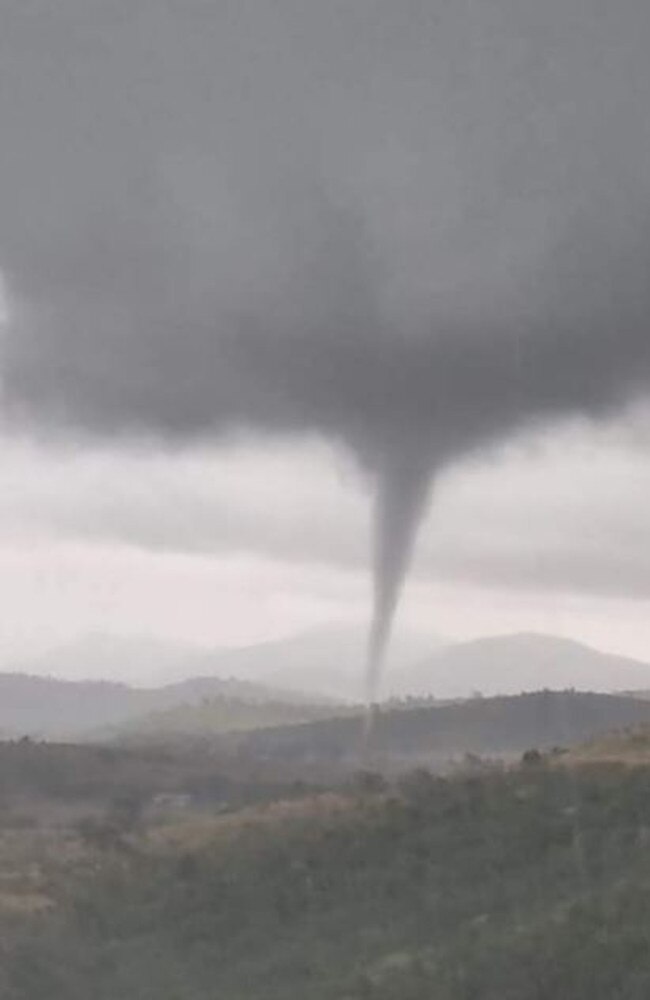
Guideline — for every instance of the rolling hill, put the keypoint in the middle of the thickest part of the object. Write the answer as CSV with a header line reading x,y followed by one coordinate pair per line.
x,y
433,735
47,708
213,716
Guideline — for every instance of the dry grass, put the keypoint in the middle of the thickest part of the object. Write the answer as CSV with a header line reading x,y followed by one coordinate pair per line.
x,y
195,833
629,747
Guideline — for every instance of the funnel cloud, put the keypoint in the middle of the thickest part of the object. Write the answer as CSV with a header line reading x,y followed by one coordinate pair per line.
x,y
411,229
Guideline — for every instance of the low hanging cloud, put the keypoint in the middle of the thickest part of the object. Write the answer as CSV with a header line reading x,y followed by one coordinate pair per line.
x,y
572,520
413,230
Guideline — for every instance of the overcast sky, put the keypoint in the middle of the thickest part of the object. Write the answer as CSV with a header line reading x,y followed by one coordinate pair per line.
x,y
232,545
271,270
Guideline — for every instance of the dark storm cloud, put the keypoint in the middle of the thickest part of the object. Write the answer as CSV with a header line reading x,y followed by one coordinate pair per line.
x,y
411,227
356,217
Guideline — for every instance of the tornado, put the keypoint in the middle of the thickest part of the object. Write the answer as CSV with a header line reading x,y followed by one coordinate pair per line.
x,y
401,499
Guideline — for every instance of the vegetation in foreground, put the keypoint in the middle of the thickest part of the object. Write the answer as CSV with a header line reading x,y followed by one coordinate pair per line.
x,y
528,884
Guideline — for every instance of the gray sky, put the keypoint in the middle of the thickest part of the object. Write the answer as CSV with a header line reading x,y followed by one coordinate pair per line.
x,y
414,233
213,545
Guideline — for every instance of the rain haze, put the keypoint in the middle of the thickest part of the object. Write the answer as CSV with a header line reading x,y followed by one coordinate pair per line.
x,y
296,295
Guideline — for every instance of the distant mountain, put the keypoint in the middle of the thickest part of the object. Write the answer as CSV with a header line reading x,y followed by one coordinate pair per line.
x,y
512,663
323,666
53,696
47,708
433,734
134,660
327,661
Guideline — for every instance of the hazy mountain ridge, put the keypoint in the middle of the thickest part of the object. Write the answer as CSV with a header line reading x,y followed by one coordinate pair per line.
x,y
46,707
295,672
134,660
328,660
509,664
332,661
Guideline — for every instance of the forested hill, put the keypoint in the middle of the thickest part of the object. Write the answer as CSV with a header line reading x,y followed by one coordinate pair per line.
x,y
532,884
507,725
221,714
